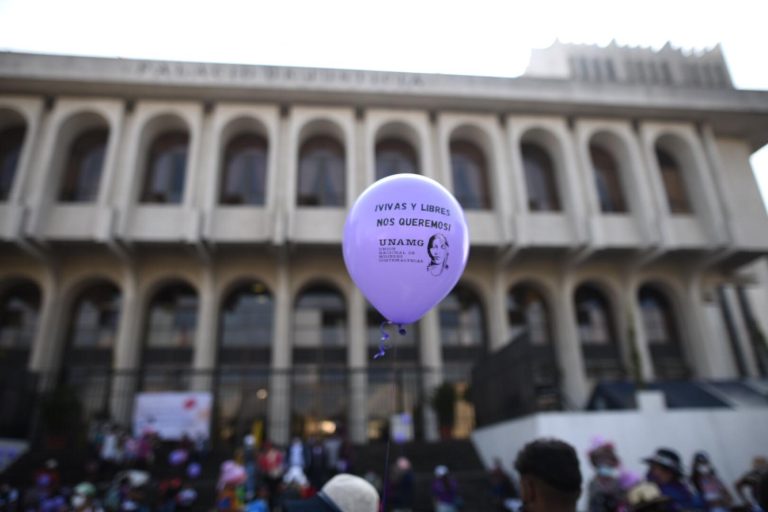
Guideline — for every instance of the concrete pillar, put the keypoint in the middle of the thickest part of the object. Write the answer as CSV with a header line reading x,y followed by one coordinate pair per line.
x,y
432,362
574,385
204,360
743,340
357,364
127,351
47,345
498,312
637,342
280,381
711,357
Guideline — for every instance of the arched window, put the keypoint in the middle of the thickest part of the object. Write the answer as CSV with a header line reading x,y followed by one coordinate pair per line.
x,y
19,307
11,140
530,326
82,175
172,317
470,176
320,318
462,319
246,317
661,334
597,334
540,179
607,181
166,169
527,314
95,317
394,156
91,336
319,380
674,183
244,180
322,169
245,342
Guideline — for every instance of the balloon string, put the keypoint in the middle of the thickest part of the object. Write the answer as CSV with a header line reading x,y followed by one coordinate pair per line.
x,y
385,483
383,345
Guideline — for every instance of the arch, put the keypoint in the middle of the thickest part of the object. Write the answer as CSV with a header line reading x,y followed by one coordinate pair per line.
x,y
541,175
320,316
322,172
246,316
673,157
20,303
463,318
529,311
662,331
244,170
171,319
469,168
607,175
85,161
394,156
13,130
597,332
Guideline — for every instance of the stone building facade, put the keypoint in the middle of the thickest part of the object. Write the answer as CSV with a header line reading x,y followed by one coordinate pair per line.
x,y
177,226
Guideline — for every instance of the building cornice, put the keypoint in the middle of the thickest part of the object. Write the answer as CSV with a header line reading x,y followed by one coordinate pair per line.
x,y
741,112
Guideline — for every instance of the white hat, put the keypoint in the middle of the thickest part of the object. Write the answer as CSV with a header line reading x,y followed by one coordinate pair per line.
x,y
352,494
441,471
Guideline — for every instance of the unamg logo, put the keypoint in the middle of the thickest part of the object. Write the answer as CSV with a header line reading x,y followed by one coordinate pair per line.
x,y
406,242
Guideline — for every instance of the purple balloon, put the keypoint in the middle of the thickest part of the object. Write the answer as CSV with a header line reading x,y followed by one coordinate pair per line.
x,y
405,245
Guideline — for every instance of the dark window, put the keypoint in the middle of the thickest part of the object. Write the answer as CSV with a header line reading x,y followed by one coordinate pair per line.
x,y
540,179
661,334
172,319
320,318
245,171
246,317
82,174
674,183
166,169
607,181
527,314
11,141
321,180
470,176
394,156
19,308
462,319
95,317
597,334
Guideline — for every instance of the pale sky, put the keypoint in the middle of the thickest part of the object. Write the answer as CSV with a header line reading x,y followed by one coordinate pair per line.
x,y
477,37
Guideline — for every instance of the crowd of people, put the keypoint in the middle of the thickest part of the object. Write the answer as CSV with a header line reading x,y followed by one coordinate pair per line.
x,y
139,473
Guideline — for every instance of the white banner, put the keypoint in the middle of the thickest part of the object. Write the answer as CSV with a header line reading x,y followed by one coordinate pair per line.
x,y
172,415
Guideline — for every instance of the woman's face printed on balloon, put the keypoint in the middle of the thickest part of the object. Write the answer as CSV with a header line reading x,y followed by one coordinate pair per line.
x,y
437,248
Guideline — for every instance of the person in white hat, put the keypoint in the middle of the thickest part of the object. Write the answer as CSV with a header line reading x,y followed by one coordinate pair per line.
x,y
342,493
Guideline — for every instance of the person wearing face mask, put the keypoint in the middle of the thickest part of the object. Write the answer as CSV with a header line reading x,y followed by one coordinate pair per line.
x,y
607,491
708,485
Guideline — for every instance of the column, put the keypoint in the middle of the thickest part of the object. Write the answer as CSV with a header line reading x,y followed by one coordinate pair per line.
x,y
204,359
280,382
498,312
358,365
47,345
127,352
743,341
432,363
637,342
574,386
711,359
